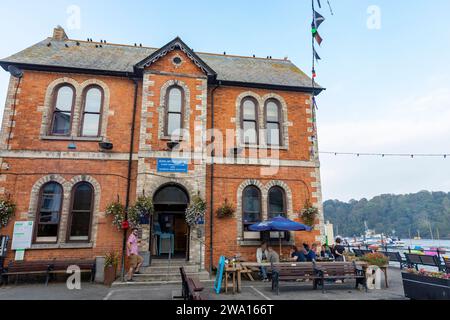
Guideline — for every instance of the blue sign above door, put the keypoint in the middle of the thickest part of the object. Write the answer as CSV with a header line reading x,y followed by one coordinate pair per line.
x,y
172,165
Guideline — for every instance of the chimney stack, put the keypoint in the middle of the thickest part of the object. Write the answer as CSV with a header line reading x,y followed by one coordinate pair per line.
x,y
59,34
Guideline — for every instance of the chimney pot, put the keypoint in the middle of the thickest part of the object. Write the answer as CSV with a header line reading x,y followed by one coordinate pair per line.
x,y
59,34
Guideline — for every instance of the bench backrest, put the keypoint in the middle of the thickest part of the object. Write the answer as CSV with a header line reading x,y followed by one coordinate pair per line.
x,y
393,256
28,266
294,269
422,259
337,268
358,252
64,265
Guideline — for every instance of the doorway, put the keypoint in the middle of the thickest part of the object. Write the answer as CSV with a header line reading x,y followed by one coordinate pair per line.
x,y
169,230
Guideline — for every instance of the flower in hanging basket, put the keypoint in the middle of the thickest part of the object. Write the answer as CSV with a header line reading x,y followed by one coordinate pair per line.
x,y
309,214
116,210
195,211
7,211
141,211
226,210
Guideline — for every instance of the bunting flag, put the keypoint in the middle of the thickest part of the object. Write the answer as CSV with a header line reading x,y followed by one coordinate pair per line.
x,y
317,37
316,55
318,19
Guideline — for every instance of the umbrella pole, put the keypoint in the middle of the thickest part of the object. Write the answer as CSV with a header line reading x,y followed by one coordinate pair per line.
x,y
279,237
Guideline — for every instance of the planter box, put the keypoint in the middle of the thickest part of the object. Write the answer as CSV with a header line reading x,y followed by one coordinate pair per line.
x,y
418,287
110,275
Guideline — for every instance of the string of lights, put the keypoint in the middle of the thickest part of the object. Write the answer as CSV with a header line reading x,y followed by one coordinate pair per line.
x,y
383,155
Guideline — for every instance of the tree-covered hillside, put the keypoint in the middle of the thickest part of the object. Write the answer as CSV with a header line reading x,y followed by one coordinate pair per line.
x,y
404,214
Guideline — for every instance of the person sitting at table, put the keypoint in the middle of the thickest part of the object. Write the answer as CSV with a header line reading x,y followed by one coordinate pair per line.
x,y
312,255
273,255
298,255
261,257
325,252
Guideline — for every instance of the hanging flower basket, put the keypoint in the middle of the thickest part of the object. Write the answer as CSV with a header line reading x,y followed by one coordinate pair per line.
x,y
309,214
116,210
226,210
141,211
195,213
7,211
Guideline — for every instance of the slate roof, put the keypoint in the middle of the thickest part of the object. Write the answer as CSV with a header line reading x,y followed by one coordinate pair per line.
x,y
114,58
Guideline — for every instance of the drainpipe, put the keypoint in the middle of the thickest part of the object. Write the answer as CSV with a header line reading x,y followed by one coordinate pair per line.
x,y
211,205
130,162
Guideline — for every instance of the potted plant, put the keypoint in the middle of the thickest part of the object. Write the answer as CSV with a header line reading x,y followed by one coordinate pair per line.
x,y
376,259
309,214
195,212
225,210
7,211
111,262
426,285
116,210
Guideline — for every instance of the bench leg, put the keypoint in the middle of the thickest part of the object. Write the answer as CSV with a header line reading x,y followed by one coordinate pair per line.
x,y
323,285
47,278
17,279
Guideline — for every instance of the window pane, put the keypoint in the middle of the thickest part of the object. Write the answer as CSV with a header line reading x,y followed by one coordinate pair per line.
x,y
91,124
273,134
93,100
47,230
64,99
174,123
276,202
61,123
272,112
82,197
250,135
80,224
175,100
49,217
249,110
252,200
51,197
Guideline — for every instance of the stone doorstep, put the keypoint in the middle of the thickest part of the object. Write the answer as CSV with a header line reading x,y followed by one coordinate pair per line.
x,y
173,276
171,269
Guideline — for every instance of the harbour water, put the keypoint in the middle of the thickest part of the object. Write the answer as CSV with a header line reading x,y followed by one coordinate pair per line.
x,y
427,243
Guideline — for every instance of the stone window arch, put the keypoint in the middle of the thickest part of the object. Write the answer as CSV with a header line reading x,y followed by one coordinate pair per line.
x,y
288,196
184,113
240,206
105,106
248,96
49,104
283,119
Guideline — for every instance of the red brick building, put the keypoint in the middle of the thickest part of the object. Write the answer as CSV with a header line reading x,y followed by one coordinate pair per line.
x,y
90,122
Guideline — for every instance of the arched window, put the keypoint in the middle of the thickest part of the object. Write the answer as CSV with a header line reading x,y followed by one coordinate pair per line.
x,y
92,112
63,102
249,125
251,206
277,202
174,111
81,212
49,213
273,122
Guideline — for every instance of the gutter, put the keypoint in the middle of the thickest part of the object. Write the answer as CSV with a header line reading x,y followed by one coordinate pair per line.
x,y
211,205
130,163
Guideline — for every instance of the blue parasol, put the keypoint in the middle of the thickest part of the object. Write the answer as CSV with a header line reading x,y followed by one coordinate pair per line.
x,y
279,224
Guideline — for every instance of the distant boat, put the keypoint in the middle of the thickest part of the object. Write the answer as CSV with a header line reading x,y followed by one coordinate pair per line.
x,y
418,236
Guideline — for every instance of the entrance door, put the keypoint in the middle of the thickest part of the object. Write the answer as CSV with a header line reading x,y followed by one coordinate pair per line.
x,y
170,232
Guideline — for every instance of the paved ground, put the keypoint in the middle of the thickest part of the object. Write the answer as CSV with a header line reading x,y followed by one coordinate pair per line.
x,y
250,291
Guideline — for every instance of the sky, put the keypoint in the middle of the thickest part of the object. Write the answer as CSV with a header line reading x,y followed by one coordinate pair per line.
x,y
384,64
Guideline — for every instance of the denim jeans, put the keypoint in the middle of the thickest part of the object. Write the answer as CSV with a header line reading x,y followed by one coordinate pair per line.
x,y
263,272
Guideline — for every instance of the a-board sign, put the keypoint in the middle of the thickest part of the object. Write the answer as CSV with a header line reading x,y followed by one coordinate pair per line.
x,y
219,276
22,235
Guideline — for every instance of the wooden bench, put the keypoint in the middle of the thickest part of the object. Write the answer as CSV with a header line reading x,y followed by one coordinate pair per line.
x,y
19,268
47,268
447,264
414,260
340,271
60,267
395,257
192,288
293,272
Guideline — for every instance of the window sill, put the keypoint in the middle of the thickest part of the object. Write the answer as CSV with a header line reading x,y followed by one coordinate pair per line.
x,y
62,246
64,138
